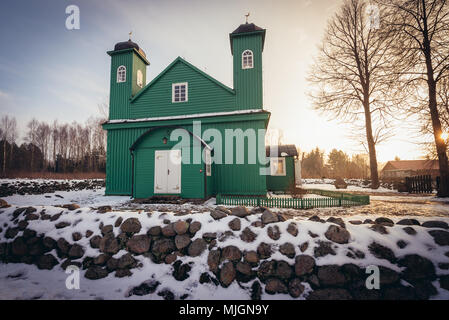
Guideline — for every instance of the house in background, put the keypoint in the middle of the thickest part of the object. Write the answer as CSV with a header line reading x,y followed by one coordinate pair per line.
x,y
142,119
285,168
399,169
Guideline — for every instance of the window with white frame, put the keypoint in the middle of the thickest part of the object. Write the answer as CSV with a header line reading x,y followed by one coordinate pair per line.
x,y
247,59
121,74
277,166
180,92
139,78
208,162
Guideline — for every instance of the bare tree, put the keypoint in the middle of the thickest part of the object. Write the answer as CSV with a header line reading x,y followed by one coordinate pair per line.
x,y
422,57
8,135
351,77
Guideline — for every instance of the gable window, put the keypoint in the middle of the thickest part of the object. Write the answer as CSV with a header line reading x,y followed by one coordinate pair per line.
x,y
139,78
247,59
121,74
277,166
180,92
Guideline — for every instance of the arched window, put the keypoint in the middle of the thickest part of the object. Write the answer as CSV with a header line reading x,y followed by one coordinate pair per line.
x,y
247,59
139,78
121,74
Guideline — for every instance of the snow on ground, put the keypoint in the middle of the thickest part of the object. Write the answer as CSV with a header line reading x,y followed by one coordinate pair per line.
x,y
331,187
83,198
27,282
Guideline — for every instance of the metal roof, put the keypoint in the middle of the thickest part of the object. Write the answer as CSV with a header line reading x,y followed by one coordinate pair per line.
x,y
286,150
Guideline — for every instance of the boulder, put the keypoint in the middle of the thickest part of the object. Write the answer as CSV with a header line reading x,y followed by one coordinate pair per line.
x,y
227,274
231,253
76,251
331,275
338,221
62,224
379,228
269,217
95,242
435,224
283,270
181,226
194,227
288,249
48,243
63,246
96,272
251,258
239,211
126,261
19,247
417,268
104,209
409,230
31,216
163,246
107,229
121,273
109,244
197,247
264,250
274,286
139,244
47,262
182,241
256,290
323,249
181,271
213,260
131,225
274,232
384,222
10,233
408,222
218,214
267,269
3,204
337,234
145,288
382,252
247,235
304,264
89,233
154,231
235,224
440,237
168,230
76,236
102,259
244,272
295,287
71,206
118,222
292,229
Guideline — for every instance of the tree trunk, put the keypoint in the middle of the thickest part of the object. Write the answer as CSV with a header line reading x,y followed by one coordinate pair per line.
x,y
4,157
371,146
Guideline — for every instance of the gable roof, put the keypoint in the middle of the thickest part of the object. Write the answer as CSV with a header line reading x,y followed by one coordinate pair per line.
x,y
412,165
289,149
171,65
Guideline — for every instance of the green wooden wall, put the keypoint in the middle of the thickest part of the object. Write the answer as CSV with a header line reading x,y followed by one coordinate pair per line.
x,y
282,183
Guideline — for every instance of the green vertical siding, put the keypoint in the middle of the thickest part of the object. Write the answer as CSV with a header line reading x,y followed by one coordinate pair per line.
x,y
120,93
282,183
138,64
248,82
204,95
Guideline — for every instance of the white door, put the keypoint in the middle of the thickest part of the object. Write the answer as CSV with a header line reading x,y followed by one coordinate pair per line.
x,y
167,171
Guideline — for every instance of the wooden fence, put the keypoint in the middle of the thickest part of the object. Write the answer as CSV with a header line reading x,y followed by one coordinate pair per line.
x,y
419,184
335,199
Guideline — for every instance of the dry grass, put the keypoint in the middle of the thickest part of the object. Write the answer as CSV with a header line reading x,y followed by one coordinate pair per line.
x,y
56,175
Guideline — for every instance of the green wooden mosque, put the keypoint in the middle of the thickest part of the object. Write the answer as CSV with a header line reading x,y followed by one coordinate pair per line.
x,y
143,160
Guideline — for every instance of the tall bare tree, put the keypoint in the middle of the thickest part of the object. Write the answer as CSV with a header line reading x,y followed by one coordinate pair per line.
x,y
8,135
422,58
351,76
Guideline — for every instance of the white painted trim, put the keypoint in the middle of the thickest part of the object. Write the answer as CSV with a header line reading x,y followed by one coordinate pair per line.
x,y
252,60
173,91
187,116
273,173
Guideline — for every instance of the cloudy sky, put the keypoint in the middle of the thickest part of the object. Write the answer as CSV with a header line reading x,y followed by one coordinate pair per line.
x,y
49,72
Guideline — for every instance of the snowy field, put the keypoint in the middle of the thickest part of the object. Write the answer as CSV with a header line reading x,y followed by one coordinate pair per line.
x,y
22,281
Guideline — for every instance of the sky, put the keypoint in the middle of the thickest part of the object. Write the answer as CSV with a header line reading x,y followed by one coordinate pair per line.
x,y
49,72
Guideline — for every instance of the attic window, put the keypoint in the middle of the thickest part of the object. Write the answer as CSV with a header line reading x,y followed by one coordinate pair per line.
x,y
277,166
121,74
180,92
247,59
